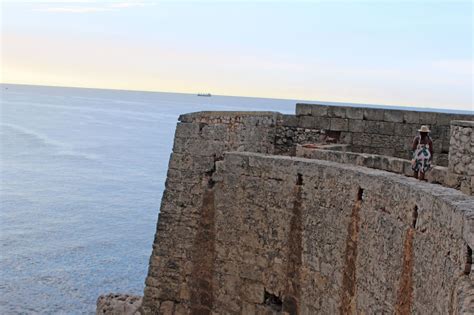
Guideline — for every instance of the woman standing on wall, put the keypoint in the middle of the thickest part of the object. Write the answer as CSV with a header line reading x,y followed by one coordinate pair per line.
x,y
422,153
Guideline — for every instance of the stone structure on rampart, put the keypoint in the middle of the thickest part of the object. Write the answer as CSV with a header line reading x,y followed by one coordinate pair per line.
x,y
313,213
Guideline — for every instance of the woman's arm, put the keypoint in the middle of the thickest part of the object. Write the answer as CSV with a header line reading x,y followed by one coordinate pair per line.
x,y
415,143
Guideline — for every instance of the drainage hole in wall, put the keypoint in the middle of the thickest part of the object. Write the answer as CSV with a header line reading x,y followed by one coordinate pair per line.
x,y
414,217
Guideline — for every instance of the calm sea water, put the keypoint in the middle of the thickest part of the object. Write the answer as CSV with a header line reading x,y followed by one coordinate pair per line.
x,y
82,174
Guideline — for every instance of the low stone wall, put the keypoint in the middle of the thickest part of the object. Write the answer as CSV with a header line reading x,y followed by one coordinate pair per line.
x,y
461,154
315,237
437,174
368,130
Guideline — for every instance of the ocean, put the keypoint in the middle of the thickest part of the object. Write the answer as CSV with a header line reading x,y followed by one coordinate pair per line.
x,y
82,174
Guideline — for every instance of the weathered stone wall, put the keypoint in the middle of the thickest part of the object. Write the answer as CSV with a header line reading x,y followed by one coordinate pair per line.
x,y
244,233
368,130
315,237
461,154
183,249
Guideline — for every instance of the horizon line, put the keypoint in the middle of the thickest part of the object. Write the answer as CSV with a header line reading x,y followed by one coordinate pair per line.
x,y
298,101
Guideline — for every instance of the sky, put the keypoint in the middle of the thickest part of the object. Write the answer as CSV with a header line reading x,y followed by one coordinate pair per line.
x,y
414,53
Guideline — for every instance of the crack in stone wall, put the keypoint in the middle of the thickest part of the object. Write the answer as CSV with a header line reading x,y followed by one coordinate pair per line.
x,y
349,282
202,296
405,290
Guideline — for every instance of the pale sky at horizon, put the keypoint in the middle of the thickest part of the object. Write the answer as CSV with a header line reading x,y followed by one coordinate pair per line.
x,y
415,53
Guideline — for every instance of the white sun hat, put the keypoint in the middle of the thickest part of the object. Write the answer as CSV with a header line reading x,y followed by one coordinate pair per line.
x,y
424,129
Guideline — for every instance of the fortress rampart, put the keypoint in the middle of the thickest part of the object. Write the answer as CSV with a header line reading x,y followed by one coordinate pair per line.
x,y
381,131
252,221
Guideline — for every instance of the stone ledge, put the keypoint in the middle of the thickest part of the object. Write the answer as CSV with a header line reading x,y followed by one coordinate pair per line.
x,y
191,117
463,123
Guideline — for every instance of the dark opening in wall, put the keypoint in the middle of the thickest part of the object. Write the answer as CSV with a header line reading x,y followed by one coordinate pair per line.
x,y
299,179
273,301
210,173
201,126
332,136
468,265
360,194
414,217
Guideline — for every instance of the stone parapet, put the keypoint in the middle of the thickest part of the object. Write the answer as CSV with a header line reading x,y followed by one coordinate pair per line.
x,y
436,175
316,237
372,130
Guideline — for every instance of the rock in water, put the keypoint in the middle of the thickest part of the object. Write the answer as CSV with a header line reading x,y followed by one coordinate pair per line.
x,y
118,304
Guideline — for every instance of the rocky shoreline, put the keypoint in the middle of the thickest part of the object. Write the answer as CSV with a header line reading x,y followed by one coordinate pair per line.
x,y
118,304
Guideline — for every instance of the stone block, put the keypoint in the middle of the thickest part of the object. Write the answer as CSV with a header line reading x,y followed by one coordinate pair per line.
x,y
213,132
379,140
355,113
437,175
411,117
187,130
337,112
356,125
393,115
373,114
406,129
444,119
339,124
303,109
306,122
397,165
319,110
386,128
379,127
407,170
289,120
322,123
428,118
379,162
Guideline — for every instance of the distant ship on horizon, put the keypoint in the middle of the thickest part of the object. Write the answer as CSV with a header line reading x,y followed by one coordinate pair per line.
x,y
204,94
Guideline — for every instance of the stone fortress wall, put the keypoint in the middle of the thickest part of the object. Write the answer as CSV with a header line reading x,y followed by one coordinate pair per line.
x,y
381,131
247,227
